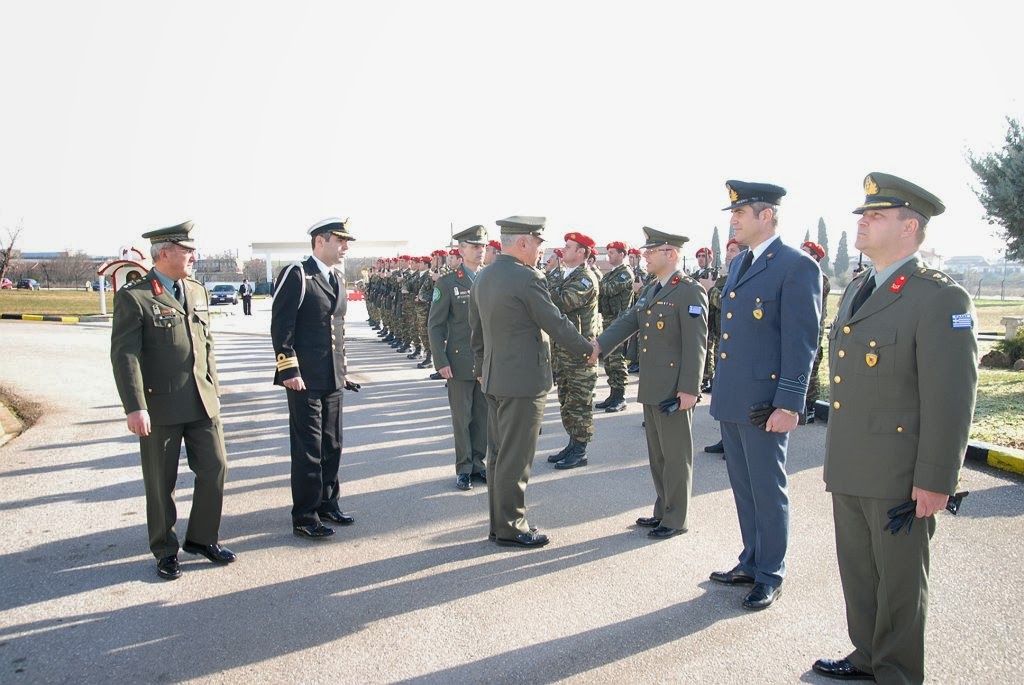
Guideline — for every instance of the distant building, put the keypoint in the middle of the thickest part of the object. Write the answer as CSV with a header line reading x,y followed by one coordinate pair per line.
x,y
227,269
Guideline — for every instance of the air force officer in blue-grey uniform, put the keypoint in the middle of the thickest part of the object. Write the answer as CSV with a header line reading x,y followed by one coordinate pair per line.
x,y
771,308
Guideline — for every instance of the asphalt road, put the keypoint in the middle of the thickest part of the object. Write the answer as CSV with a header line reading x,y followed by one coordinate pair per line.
x,y
413,592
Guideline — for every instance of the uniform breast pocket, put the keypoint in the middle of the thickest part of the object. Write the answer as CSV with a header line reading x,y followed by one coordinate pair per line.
x,y
875,352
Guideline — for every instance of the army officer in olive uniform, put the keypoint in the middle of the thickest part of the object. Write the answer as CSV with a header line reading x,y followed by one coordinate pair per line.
x,y
672,319
162,355
449,335
904,365
307,328
511,316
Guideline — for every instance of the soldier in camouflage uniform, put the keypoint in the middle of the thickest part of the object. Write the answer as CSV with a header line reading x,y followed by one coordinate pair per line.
x,y
706,275
732,248
423,298
615,296
416,312
817,253
641,279
575,294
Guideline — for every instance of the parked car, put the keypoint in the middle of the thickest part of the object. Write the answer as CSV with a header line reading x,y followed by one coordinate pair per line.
x,y
95,285
224,293
28,284
6,284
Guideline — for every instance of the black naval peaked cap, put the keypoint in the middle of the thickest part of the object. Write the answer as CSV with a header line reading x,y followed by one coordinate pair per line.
x,y
523,225
474,235
333,225
743,193
179,235
883,191
655,238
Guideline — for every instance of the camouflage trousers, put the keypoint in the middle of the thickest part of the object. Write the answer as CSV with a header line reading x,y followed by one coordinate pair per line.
x,y
813,386
576,398
615,363
422,312
709,360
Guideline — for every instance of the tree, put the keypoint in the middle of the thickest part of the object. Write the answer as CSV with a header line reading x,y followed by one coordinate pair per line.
x,y
1001,193
807,236
716,249
826,263
255,270
842,261
7,252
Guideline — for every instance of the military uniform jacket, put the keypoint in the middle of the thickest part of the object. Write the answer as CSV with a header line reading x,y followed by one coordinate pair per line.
x,y
770,321
616,291
904,374
448,325
162,353
512,310
673,328
309,340
576,296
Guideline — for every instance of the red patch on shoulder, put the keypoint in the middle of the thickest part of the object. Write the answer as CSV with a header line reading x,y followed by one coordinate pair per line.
x,y
897,285
157,288
460,274
674,281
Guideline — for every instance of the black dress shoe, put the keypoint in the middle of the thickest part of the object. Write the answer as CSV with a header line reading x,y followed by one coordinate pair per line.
x,y
840,669
168,568
664,532
214,552
761,597
436,376
717,448
462,482
648,521
339,517
313,532
733,577
529,540
480,476
571,462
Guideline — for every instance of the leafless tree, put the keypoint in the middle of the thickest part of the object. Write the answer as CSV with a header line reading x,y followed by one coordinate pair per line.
x,y
7,252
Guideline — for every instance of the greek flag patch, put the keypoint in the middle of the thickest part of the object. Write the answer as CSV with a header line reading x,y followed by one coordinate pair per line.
x,y
585,282
695,310
963,320
623,276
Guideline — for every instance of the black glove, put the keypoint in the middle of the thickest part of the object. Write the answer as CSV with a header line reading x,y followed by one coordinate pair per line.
x,y
354,387
759,414
669,406
903,515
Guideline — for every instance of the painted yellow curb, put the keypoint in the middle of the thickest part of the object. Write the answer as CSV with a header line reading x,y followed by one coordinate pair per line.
x,y
1007,461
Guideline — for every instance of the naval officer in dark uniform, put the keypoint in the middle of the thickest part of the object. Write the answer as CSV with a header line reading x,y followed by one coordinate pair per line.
x,y
671,317
511,316
770,307
903,361
449,336
307,328
162,355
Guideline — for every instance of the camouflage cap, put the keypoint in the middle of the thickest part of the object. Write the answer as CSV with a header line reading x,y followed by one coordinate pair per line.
x,y
884,191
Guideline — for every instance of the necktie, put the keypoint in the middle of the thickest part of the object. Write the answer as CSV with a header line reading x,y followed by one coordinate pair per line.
x,y
748,259
333,281
179,294
657,289
862,295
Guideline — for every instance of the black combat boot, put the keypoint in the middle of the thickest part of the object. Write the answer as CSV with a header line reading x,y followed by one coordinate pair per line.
x,y
617,402
577,456
389,338
603,404
427,361
415,353
633,368
564,453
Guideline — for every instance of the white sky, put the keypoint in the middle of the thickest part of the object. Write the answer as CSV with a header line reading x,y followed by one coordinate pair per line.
x,y
257,119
